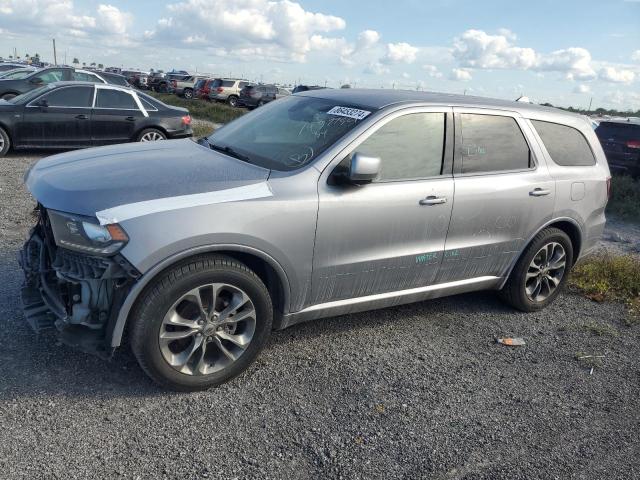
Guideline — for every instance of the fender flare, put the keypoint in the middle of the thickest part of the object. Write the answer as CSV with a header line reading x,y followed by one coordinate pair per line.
x,y
114,335
526,244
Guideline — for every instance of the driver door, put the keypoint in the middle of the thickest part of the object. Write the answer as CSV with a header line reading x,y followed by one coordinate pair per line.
x,y
388,235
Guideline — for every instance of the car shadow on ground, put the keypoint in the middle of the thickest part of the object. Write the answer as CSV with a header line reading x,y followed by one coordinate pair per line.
x,y
38,365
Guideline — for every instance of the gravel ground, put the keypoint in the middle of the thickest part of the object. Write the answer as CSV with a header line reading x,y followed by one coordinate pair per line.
x,y
419,391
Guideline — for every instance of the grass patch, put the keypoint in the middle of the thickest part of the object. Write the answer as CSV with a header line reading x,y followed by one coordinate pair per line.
x,y
201,129
600,329
625,200
610,277
201,109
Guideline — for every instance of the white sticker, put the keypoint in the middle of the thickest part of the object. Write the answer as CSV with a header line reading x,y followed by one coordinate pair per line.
x,y
348,112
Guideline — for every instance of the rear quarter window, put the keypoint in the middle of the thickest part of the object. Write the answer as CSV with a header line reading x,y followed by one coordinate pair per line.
x,y
566,145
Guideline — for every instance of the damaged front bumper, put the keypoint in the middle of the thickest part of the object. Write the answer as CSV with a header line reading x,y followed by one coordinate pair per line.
x,y
74,294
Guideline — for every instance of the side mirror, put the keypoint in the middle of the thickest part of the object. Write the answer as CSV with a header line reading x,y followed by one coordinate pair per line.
x,y
363,168
36,81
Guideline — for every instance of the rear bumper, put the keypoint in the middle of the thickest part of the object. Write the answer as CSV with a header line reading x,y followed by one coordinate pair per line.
x,y
248,102
74,295
624,162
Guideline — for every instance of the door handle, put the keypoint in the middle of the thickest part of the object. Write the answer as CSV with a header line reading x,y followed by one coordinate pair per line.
x,y
130,119
82,117
433,200
539,192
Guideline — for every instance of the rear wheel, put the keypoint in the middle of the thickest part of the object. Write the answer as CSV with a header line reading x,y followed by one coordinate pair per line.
x,y
5,142
8,96
188,93
232,101
541,271
201,323
151,135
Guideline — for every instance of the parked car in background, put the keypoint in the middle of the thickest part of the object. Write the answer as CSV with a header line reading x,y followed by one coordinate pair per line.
x,y
136,79
192,255
187,86
154,79
16,73
10,66
83,114
114,79
306,88
620,141
227,90
252,96
202,88
163,82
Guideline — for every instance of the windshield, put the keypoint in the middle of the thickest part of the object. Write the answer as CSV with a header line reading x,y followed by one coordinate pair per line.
x,y
30,95
289,133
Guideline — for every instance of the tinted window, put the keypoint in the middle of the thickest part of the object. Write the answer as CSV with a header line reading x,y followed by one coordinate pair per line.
x,y
243,84
491,143
282,91
409,147
50,76
115,99
618,131
566,145
199,84
227,83
70,97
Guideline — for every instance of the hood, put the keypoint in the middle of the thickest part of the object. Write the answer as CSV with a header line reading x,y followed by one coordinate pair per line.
x,y
87,181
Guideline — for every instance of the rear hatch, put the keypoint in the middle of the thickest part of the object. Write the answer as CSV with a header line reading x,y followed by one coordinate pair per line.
x,y
620,142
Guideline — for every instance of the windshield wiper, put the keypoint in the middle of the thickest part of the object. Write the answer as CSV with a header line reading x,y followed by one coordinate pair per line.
x,y
229,151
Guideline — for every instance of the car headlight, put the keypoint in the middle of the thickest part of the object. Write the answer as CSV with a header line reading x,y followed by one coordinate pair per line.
x,y
85,234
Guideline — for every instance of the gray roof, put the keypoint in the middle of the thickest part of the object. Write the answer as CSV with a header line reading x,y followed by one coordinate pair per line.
x,y
380,98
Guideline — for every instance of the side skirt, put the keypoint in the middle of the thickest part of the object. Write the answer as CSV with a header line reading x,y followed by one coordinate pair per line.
x,y
389,299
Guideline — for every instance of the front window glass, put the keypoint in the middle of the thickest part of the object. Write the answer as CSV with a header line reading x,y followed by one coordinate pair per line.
x,y
80,97
49,77
30,95
409,147
290,133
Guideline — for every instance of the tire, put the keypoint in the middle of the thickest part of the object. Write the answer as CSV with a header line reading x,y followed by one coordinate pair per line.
x,y
260,103
5,142
149,322
232,101
187,93
520,291
8,96
151,135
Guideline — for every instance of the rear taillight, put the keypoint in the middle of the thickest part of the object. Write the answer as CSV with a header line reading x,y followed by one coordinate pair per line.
x,y
205,91
219,89
174,84
609,190
633,144
186,120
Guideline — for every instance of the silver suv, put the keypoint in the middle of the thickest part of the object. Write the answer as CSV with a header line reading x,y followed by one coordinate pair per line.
x,y
227,90
324,203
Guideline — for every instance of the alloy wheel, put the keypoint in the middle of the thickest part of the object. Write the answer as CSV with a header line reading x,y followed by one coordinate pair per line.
x,y
151,137
207,329
545,272
1,142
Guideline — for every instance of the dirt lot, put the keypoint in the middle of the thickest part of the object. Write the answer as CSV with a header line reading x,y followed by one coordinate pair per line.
x,y
419,391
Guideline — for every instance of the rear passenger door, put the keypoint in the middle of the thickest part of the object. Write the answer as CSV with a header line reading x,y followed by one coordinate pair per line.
x,y
116,116
503,194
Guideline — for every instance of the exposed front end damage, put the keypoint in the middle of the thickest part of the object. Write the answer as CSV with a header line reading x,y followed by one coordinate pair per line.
x,y
76,294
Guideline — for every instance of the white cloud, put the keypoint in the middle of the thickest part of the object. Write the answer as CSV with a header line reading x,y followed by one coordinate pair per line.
x,y
400,53
375,68
611,74
107,24
574,62
367,39
623,100
282,30
582,89
432,71
635,56
477,49
460,75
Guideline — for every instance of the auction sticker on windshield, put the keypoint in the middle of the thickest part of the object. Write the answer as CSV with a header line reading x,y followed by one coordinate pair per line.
x,y
348,112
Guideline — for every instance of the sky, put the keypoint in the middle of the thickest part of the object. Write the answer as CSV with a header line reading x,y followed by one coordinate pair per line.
x,y
568,53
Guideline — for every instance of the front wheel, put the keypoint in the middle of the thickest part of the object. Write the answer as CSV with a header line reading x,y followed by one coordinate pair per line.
x,y
201,323
232,101
188,93
151,135
541,271
5,142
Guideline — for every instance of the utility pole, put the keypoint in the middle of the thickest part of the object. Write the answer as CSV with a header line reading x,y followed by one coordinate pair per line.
x,y
589,109
55,57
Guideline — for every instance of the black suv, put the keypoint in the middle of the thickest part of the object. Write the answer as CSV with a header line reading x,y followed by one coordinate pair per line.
x,y
620,141
253,96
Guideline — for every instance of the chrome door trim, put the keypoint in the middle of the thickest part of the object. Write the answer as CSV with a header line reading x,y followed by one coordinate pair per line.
x,y
389,299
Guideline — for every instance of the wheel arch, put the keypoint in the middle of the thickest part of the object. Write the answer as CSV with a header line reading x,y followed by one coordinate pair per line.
x,y
568,225
266,267
136,135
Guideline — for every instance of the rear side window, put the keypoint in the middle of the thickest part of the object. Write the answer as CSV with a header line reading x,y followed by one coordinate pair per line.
x,y
78,97
243,84
618,131
409,147
492,143
227,83
50,76
566,145
107,98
